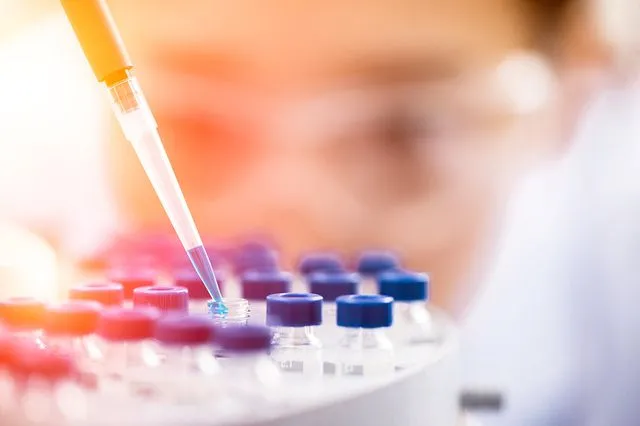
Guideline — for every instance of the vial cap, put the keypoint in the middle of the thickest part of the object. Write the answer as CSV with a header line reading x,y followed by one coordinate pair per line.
x,y
364,311
189,279
250,338
31,361
107,293
123,324
258,261
7,343
257,285
331,285
320,262
164,298
131,279
294,309
22,313
184,330
374,262
75,318
257,245
404,286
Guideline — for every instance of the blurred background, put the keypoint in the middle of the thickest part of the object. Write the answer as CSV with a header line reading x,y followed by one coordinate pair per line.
x,y
492,143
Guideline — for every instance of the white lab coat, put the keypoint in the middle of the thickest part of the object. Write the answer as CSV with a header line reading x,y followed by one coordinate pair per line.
x,y
557,326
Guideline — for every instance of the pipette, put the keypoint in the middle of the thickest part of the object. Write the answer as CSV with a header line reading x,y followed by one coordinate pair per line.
x,y
102,45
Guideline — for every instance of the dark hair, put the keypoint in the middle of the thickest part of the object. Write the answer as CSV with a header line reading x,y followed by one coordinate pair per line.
x,y
548,16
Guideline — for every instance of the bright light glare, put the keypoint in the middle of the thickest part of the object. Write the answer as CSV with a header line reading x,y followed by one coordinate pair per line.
x,y
527,80
28,265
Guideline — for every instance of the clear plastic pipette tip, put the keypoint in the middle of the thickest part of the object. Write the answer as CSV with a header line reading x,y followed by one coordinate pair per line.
x,y
202,265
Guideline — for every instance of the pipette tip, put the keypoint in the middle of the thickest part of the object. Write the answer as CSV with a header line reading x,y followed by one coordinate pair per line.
x,y
202,264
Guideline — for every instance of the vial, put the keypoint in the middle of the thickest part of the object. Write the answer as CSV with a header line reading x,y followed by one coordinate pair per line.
x,y
23,317
370,263
166,299
320,262
69,327
293,318
257,285
107,293
132,278
128,351
364,349
235,312
247,370
188,370
331,285
264,260
373,262
410,292
199,296
7,385
47,389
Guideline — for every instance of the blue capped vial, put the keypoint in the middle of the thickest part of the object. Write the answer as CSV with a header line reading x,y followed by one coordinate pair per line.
x,y
371,263
410,291
364,349
320,262
293,317
257,285
331,285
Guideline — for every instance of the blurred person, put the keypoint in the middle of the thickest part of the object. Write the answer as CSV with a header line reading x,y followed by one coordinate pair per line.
x,y
345,125
349,125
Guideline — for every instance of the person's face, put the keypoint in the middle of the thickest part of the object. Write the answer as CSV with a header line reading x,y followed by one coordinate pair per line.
x,y
341,125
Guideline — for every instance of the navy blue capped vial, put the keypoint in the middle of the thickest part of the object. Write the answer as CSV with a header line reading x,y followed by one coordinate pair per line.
x,y
294,310
364,311
257,285
320,262
404,286
331,285
373,262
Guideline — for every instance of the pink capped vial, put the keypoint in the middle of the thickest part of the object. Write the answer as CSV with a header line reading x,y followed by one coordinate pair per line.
x,y
105,293
132,278
167,299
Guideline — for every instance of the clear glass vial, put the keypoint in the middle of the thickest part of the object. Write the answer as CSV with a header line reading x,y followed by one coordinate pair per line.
x,y
413,321
331,285
248,372
235,312
70,327
364,349
47,388
128,351
186,371
293,317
